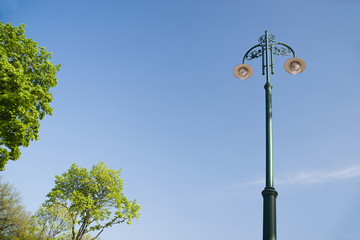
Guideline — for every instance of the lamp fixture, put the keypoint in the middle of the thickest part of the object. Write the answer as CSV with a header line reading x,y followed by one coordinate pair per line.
x,y
294,65
243,71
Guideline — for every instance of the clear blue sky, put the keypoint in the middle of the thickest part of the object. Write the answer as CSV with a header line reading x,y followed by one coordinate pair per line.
x,y
147,86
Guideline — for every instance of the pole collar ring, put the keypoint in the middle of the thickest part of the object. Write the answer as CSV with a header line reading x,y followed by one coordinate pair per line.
x,y
269,191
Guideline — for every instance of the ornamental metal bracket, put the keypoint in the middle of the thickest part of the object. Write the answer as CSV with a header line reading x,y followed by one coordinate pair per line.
x,y
265,46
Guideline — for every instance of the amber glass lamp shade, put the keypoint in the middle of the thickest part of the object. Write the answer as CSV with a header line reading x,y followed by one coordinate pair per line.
x,y
294,65
243,71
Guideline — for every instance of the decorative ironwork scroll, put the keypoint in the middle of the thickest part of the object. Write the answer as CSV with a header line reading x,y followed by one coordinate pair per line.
x,y
268,46
254,54
281,50
276,48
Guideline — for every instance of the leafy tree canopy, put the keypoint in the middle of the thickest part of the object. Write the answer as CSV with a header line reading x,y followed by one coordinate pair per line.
x,y
85,201
52,222
26,75
15,221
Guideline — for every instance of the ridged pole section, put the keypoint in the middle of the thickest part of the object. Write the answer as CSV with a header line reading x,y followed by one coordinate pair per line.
x,y
269,193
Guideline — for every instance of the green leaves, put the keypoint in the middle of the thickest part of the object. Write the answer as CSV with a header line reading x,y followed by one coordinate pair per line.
x,y
52,222
26,76
92,199
15,221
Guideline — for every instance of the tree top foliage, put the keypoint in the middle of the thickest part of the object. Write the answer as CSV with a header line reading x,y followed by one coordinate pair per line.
x,y
26,76
15,221
85,201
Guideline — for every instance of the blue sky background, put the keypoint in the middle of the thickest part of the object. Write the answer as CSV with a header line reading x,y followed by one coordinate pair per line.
x,y
147,86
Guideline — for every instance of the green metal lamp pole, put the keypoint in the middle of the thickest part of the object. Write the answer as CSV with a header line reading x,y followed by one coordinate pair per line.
x,y
266,49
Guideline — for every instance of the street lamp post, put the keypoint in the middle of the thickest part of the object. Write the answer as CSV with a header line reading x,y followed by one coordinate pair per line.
x,y
266,48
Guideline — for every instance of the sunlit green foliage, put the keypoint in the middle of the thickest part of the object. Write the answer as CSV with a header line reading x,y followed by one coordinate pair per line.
x,y
89,201
26,75
52,222
15,221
